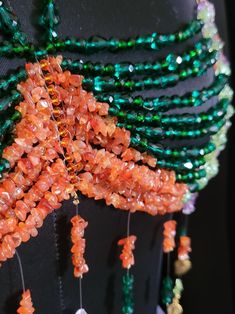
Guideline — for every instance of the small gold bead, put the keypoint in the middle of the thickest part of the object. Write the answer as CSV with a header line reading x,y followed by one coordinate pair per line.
x,y
68,157
48,78
65,142
55,101
44,64
63,132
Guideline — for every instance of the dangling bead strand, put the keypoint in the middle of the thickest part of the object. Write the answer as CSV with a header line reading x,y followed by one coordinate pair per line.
x,y
169,236
168,246
127,258
175,307
183,263
26,305
127,289
78,248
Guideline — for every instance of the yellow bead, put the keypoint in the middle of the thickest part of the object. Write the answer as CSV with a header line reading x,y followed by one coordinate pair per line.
x,y
174,307
182,267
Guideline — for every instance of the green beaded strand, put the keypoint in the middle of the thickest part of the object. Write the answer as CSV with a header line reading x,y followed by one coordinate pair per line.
x,y
171,63
117,70
157,134
161,152
127,289
99,84
178,121
165,103
94,44
167,291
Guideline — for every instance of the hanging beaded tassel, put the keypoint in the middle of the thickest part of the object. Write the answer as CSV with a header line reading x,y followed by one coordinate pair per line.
x,y
128,260
78,249
168,246
26,305
170,296
127,256
175,307
183,263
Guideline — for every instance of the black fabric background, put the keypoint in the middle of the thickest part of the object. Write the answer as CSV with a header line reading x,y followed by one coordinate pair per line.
x,y
208,286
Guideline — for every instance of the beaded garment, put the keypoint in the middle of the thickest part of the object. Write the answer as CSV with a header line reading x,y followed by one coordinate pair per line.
x,y
69,126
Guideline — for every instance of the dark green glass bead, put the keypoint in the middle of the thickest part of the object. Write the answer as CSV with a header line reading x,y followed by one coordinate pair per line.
x,y
12,80
8,101
184,165
192,176
167,291
127,289
7,124
4,165
16,116
97,43
10,25
49,19
171,62
183,231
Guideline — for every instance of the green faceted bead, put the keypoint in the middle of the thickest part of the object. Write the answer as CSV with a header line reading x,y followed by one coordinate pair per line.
x,y
10,25
8,101
7,124
4,165
16,116
49,19
127,289
167,290
171,61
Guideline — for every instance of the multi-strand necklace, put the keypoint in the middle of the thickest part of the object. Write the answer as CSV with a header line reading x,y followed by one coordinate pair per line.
x,y
73,125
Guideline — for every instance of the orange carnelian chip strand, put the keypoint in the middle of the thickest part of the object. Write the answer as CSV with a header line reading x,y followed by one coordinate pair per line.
x,y
169,236
99,161
79,243
184,248
26,305
127,256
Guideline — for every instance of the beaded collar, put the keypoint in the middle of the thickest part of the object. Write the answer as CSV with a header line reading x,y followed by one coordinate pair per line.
x,y
69,125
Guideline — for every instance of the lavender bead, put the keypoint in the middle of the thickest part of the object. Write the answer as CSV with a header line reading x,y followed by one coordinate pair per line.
x,y
189,207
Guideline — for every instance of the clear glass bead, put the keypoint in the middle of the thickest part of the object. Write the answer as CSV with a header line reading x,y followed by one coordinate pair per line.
x,y
81,311
206,12
209,30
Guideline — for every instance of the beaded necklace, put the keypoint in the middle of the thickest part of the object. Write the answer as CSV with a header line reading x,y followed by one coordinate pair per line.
x,y
70,125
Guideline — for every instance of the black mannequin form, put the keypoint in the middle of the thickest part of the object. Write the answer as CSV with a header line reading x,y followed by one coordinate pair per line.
x,y
46,259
